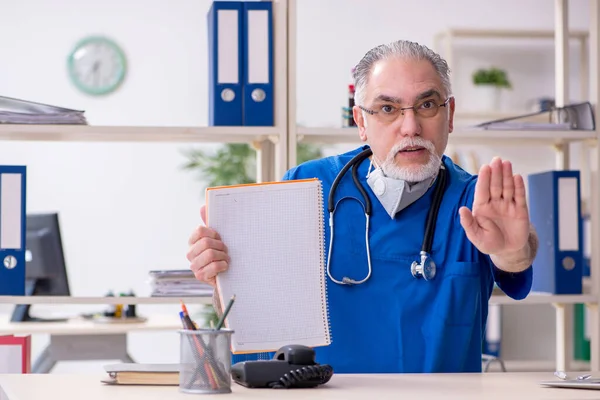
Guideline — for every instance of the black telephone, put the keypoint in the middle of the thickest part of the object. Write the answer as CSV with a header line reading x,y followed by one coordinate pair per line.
x,y
293,366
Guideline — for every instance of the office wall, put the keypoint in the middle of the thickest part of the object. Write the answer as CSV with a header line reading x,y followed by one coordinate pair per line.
x,y
127,208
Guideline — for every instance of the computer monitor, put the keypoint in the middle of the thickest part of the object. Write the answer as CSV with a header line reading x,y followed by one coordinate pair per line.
x,y
45,268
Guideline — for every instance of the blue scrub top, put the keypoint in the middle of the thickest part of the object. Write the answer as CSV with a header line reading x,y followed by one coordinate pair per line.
x,y
395,323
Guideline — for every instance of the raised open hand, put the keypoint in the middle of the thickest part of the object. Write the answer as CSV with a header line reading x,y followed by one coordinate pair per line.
x,y
499,222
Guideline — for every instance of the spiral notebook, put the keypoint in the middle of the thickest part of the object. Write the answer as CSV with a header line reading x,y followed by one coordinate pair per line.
x,y
275,238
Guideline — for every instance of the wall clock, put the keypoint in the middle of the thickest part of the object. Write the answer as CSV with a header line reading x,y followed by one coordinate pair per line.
x,y
97,65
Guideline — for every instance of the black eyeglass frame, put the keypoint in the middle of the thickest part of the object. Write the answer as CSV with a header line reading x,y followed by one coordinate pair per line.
x,y
372,112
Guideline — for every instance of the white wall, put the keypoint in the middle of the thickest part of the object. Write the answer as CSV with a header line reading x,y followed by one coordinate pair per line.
x,y
128,208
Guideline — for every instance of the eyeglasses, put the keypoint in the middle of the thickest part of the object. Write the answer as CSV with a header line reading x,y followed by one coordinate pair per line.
x,y
388,112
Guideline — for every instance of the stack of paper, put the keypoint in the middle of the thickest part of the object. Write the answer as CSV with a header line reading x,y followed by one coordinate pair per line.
x,y
15,111
177,283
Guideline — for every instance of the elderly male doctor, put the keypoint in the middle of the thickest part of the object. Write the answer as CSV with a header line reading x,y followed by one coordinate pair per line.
x,y
387,315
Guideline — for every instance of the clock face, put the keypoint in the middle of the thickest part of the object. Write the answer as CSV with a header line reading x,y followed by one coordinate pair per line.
x,y
97,65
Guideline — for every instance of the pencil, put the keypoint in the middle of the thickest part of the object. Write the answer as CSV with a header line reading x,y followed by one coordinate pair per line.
x,y
222,320
217,376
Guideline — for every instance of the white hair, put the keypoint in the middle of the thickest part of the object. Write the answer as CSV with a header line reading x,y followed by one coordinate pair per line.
x,y
399,49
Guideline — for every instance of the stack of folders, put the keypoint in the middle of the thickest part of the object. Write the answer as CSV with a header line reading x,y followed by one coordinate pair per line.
x,y
15,111
142,374
578,116
177,283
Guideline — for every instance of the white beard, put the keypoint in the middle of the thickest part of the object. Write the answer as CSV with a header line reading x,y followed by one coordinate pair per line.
x,y
412,173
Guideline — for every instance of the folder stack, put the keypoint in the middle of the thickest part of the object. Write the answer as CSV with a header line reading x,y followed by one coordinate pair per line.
x,y
240,35
17,111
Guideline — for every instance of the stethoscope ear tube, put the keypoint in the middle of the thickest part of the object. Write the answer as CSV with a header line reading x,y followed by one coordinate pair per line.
x,y
425,267
361,189
354,161
435,208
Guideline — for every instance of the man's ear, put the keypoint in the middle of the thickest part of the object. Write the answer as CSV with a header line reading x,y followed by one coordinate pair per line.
x,y
451,108
358,116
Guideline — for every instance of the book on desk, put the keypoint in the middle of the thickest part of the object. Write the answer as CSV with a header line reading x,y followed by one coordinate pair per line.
x,y
142,374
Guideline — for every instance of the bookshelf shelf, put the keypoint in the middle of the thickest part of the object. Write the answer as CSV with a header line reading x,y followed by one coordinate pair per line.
x,y
89,133
502,299
52,300
472,136
495,299
507,33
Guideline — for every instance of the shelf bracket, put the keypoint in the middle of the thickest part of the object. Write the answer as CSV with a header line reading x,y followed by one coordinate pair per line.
x,y
563,336
562,155
593,323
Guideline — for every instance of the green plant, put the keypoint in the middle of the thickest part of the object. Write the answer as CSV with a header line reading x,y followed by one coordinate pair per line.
x,y
491,76
234,163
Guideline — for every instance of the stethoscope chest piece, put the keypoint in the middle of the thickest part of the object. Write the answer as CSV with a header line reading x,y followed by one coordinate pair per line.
x,y
425,269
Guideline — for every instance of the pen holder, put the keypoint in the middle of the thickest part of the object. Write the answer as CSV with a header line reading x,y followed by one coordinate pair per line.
x,y
205,361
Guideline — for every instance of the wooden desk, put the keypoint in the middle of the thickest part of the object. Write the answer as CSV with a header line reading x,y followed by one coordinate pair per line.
x,y
80,339
489,386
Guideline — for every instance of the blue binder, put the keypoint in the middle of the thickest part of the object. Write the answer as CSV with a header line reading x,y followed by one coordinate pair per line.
x,y
12,230
225,49
258,106
555,212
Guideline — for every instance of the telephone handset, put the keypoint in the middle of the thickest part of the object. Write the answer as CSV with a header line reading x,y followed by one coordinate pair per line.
x,y
293,366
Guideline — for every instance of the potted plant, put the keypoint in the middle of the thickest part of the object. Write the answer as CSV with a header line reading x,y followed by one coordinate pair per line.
x,y
234,163
489,84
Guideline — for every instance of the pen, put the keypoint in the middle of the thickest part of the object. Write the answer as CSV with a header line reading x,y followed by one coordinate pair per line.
x,y
222,320
200,351
202,348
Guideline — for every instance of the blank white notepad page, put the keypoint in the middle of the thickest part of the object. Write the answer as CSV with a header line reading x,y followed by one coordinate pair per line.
x,y
274,234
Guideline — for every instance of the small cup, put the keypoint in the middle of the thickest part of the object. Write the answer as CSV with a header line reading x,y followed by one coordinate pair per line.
x,y
205,361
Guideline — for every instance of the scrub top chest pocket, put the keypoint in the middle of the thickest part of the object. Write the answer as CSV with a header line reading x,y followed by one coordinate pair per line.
x,y
459,293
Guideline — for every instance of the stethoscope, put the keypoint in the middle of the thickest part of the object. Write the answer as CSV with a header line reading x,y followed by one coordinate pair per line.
x,y
424,267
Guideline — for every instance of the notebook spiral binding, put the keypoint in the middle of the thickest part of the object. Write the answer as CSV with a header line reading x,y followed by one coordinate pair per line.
x,y
322,256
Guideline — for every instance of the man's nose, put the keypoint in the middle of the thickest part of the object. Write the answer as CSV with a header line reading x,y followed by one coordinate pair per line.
x,y
410,125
